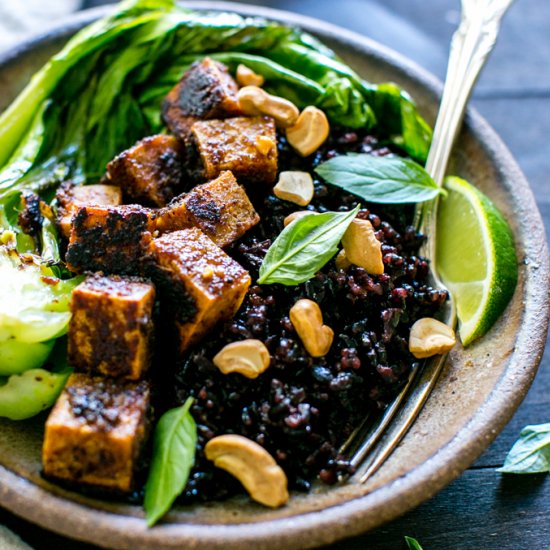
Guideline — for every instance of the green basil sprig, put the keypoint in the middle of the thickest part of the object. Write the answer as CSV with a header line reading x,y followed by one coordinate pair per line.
x,y
530,453
173,457
412,544
386,180
304,247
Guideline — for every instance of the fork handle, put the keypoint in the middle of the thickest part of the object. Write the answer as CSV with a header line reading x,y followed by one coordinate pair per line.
x,y
471,44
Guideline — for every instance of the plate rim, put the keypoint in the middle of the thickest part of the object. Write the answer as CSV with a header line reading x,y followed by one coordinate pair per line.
x,y
74,519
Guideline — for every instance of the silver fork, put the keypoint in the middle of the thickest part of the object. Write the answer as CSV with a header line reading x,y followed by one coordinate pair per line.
x,y
470,47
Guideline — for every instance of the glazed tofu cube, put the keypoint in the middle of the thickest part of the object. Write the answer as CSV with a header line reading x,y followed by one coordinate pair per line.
x,y
71,197
111,327
205,91
199,281
220,208
111,239
150,172
245,145
96,431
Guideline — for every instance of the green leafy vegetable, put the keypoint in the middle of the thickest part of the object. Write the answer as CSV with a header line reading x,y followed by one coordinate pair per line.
x,y
530,453
388,180
412,544
342,86
304,247
103,91
25,395
398,118
173,457
387,107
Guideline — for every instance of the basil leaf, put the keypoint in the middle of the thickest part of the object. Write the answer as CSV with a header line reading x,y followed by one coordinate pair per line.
x,y
386,180
530,453
304,247
173,457
412,544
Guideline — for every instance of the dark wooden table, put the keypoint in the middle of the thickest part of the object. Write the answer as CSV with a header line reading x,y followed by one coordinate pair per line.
x,y
482,510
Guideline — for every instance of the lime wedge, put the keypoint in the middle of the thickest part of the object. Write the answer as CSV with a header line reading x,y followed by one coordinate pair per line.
x,y
475,257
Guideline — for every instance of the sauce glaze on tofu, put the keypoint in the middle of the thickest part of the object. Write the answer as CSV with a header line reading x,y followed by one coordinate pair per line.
x,y
111,239
71,197
238,144
150,172
220,208
205,91
96,431
201,284
111,329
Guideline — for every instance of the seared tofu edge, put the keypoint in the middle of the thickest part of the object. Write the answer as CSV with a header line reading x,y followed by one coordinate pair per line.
x,y
111,329
96,432
201,273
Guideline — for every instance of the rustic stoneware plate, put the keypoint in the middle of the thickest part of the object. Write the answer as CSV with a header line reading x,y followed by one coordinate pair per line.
x,y
475,397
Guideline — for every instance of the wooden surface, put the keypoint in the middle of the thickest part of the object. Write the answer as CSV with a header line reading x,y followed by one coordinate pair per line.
x,y
482,509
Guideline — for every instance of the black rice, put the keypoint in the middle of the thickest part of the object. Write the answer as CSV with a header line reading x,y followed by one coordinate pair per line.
x,y
302,409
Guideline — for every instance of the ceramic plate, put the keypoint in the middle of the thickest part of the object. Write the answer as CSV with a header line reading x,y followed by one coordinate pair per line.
x,y
477,393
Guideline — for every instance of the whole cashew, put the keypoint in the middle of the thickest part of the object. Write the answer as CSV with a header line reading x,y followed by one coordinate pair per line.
x,y
362,248
247,357
430,337
252,465
295,186
309,132
307,319
247,77
255,101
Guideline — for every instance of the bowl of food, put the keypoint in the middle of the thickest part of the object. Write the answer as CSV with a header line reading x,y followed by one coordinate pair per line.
x,y
212,304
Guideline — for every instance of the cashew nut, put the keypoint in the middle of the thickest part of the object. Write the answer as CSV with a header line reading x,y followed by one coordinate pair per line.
x,y
296,216
255,101
252,465
309,132
247,77
247,357
296,187
362,247
342,261
430,337
307,319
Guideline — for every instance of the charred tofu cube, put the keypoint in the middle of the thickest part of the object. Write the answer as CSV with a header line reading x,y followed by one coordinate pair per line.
x,y
111,327
220,208
96,431
111,239
247,146
71,197
202,284
205,91
150,172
